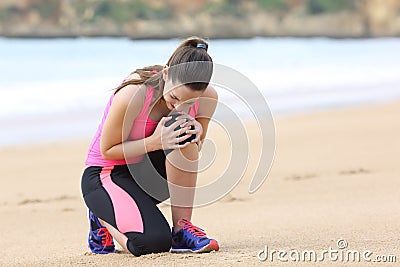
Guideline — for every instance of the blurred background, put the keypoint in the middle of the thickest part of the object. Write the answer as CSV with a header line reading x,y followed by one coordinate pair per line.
x,y
59,59
141,19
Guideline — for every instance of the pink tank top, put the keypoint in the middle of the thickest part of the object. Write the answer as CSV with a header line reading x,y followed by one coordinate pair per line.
x,y
143,126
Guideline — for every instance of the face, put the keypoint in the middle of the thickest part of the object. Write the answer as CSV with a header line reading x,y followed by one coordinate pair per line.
x,y
179,97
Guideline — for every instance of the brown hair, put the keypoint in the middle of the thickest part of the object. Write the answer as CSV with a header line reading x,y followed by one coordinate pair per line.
x,y
195,75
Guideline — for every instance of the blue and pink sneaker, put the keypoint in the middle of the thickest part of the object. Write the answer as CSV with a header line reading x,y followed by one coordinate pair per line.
x,y
100,240
192,239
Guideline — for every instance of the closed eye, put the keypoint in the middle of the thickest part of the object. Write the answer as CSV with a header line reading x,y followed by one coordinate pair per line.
x,y
173,97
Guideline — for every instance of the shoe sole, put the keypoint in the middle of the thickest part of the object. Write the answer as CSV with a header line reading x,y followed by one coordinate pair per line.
x,y
213,245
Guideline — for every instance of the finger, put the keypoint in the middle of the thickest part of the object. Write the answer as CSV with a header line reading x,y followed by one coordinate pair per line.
x,y
182,138
164,120
196,139
176,124
190,132
176,146
183,145
177,133
181,131
189,123
187,118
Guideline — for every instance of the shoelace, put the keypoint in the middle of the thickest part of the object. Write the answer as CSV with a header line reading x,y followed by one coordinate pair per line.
x,y
186,225
106,237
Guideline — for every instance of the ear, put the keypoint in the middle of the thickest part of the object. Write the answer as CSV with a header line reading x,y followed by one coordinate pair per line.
x,y
165,72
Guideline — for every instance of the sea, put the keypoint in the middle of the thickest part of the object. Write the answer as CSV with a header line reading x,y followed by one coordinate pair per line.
x,y
56,89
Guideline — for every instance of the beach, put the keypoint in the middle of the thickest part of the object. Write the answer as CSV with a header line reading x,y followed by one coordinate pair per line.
x,y
335,177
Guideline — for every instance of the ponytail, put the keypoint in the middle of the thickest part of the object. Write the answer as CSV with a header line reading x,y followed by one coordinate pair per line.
x,y
148,75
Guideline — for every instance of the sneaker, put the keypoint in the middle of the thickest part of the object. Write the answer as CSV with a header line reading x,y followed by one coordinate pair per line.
x,y
192,239
100,240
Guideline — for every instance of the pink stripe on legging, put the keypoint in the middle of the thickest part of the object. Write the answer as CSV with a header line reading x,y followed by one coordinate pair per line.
x,y
127,214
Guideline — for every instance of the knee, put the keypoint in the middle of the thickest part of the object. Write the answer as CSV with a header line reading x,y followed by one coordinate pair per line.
x,y
161,242
190,151
184,158
154,242
174,118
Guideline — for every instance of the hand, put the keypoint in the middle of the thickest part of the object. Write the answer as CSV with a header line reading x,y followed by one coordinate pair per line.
x,y
166,137
197,129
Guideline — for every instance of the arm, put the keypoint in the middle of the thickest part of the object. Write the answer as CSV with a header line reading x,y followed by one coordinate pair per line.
x,y
126,106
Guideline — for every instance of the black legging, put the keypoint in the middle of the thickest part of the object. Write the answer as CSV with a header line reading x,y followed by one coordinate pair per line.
x,y
113,195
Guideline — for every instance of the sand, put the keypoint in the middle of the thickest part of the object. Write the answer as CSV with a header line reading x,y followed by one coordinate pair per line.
x,y
335,176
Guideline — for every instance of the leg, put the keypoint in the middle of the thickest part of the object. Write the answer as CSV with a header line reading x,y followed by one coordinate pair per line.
x,y
181,170
100,241
181,167
153,234
118,236
129,213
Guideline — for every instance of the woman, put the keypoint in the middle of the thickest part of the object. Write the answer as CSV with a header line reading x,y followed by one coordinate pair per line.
x,y
137,136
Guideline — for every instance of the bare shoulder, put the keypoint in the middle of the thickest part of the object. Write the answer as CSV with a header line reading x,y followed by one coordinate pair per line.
x,y
210,92
130,93
208,102
132,76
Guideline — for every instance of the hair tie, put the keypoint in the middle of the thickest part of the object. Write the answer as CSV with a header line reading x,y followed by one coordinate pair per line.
x,y
201,46
154,71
